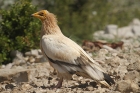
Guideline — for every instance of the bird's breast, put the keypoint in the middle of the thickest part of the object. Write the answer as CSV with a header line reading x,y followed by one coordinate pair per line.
x,y
48,47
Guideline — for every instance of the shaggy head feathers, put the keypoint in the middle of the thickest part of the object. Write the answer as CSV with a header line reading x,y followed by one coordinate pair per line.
x,y
45,15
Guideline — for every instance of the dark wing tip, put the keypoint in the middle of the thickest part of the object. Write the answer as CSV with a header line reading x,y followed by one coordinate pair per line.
x,y
108,79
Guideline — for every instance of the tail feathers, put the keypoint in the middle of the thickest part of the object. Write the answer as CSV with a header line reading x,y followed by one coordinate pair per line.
x,y
108,81
104,83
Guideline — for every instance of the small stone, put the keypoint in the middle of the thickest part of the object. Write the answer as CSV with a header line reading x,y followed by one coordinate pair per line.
x,y
74,89
17,67
109,49
38,83
75,77
28,53
124,86
89,88
21,77
39,51
34,52
40,90
58,90
9,66
111,29
9,86
114,61
135,21
26,86
134,86
136,30
76,83
132,75
103,51
134,66
72,83
121,70
39,58
16,53
45,82
125,32
87,80
26,58
17,75
98,33
124,62
16,90
114,54
50,91
43,59
102,90
108,36
2,86
17,61
2,66
83,82
80,78
31,59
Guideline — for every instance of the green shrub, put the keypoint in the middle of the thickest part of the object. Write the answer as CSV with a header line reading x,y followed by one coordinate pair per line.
x,y
18,31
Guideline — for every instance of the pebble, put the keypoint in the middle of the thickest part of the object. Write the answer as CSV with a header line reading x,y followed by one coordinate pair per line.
x,y
124,86
89,88
76,83
31,59
80,78
9,66
26,86
134,86
132,75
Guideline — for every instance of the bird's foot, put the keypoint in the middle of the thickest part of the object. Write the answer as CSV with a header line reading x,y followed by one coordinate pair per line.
x,y
59,84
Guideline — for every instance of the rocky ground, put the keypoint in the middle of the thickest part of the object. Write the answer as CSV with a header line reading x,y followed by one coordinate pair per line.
x,y
31,73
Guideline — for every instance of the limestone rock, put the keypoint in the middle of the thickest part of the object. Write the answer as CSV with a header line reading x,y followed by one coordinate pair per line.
x,y
132,75
134,66
134,87
34,52
136,30
17,56
17,75
125,32
111,29
98,33
9,66
16,53
127,86
124,86
135,21
89,88
32,59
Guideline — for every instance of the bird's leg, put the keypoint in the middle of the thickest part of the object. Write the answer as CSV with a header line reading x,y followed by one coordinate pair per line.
x,y
59,84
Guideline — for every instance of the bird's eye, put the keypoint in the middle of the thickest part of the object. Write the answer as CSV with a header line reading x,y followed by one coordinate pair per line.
x,y
41,14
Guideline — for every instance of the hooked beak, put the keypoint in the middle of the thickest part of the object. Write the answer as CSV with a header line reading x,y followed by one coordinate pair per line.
x,y
34,15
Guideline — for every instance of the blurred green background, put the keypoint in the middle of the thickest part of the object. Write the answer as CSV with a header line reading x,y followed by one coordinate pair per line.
x,y
78,20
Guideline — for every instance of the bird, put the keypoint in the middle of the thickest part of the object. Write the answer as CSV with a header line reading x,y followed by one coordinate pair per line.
x,y
65,55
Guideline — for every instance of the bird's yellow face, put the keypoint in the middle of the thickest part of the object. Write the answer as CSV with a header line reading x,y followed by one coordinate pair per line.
x,y
41,14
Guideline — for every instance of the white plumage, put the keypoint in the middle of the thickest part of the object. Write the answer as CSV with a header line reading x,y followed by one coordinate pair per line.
x,y
65,55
